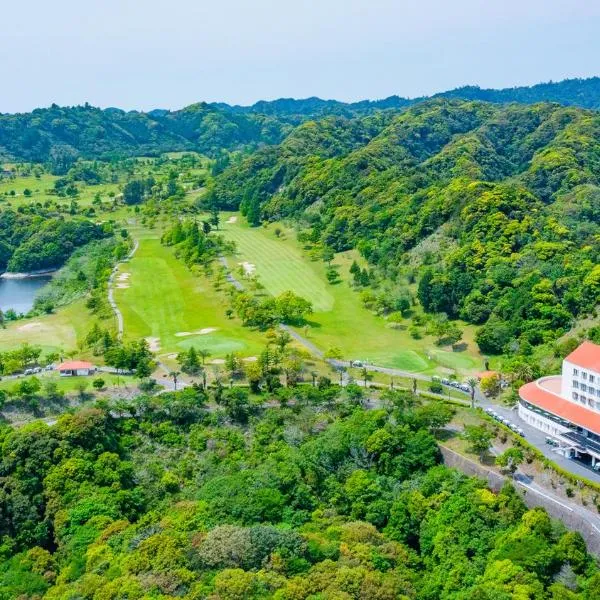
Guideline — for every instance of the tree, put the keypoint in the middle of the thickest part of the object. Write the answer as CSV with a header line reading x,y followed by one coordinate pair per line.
x,y
510,459
479,438
203,354
189,361
98,383
366,375
472,383
355,393
214,217
334,352
174,375
435,415
490,385
328,255
133,192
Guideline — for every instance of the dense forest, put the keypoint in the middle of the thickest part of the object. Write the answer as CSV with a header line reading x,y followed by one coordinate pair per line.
x,y
495,210
169,499
37,241
59,135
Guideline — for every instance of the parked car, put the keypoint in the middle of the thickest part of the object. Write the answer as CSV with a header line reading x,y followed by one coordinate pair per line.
x,y
464,387
356,363
520,432
446,381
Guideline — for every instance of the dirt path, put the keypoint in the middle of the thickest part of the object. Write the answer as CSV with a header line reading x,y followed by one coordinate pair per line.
x,y
111,288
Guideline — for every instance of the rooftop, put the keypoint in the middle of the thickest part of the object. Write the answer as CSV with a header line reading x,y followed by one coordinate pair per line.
x,y
74,365
587,356
540,394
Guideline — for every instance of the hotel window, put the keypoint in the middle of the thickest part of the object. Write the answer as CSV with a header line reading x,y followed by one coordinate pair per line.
x,y
575,395
583,387
590,402
592,379
583,375
582,399
576,384
591,390
575,372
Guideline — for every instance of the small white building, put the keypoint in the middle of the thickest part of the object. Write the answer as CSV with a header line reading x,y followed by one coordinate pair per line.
x,y
76,367
567,407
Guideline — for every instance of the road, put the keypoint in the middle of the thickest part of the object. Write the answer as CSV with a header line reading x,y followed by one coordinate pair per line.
x,y
111,298
538,439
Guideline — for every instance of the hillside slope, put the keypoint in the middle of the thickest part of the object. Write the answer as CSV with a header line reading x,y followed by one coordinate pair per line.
x,y
511,194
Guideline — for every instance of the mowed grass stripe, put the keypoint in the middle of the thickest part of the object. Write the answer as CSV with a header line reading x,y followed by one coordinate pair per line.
x,y
279,266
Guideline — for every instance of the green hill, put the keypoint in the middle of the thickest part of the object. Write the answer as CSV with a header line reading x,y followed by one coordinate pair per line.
x,y
495,209
59,135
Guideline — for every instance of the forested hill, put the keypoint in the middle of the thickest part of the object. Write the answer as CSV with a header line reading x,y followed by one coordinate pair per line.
x,y
59,135
494,209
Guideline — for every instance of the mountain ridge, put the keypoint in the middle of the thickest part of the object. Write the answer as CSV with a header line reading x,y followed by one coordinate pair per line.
x,y
60,135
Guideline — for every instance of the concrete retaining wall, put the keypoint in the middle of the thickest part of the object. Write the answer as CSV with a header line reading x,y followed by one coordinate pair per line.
x,y
532,498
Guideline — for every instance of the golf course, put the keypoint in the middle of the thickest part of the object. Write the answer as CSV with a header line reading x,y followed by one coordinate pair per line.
x,y
273,254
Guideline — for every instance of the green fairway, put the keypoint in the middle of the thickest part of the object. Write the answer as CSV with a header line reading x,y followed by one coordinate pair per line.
x,y
339,319
279,266
163,301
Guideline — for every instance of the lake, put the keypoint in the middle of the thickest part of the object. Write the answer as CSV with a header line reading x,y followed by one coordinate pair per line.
x,y
19,294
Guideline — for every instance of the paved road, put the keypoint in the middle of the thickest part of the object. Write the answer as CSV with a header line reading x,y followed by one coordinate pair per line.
x,y
111,298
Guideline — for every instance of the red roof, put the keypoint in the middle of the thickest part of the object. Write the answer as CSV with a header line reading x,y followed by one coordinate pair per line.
x,y
552,403
74,365
587,356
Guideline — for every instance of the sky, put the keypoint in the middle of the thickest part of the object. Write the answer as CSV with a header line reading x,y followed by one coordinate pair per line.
x,y
144,54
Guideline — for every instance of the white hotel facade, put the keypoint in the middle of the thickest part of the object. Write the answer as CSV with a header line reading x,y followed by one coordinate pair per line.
x,y
567,407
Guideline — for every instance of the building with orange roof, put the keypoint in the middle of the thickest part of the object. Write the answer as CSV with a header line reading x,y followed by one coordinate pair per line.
x,y
567,407
76,367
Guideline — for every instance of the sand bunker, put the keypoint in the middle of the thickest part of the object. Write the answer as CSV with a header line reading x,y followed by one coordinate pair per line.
x,y
217,361
249,268
204,331
123,276
231,220
30,326
153,344
250,359
122,286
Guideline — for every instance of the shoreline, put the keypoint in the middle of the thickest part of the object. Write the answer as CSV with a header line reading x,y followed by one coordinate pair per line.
x,y
30,275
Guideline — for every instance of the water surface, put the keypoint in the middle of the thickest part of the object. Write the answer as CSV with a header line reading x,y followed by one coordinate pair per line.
x,y
19,294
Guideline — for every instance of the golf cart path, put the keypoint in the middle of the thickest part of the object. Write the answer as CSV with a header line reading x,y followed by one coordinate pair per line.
x,y
111,297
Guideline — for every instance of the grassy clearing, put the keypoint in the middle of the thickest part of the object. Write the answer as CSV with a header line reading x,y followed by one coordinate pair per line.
x,y
59,332
340,320
165,301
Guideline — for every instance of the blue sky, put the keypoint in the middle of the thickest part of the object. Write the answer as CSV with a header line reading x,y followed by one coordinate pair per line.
x,y
146,53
